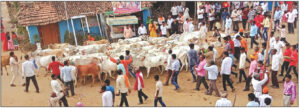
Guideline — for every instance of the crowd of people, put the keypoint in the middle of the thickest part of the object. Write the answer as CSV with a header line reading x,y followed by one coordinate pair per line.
x,y
9,42
204,64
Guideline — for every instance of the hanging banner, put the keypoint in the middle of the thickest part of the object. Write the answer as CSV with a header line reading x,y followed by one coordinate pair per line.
x,y
126,7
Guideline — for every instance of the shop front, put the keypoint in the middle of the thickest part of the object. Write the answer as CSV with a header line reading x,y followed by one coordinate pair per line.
x,y
117,25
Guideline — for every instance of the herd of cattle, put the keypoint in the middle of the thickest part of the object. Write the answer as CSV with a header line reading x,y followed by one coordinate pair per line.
x,y
92,59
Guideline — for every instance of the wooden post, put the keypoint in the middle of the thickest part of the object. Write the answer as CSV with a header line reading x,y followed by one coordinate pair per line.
x,y
269,33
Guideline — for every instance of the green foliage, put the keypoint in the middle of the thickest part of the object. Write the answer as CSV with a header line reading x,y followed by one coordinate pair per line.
x,y
69,38
21,30
25,44
13,20
16,5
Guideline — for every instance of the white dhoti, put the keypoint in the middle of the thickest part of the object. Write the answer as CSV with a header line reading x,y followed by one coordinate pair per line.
x,y
16,73
257,93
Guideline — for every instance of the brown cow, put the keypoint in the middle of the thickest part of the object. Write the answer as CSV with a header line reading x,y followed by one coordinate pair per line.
x,y
92,69
4,63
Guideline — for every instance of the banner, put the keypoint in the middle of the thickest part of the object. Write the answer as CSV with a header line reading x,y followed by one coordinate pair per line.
x,y
126,7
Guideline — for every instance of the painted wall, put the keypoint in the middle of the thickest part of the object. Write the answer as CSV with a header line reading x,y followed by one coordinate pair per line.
x,y
146,13
32,30
94,31
63,27
77,26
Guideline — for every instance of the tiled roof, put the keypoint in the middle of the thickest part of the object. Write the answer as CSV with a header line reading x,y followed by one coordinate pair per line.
x,y
43,13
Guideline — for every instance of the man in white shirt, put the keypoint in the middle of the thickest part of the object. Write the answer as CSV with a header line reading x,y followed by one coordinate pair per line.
x,y
275,67
235,18
278,45
242,64
169,23
228,25
56,88
14,65
226,71
158,92
107,97
191,26
163,29
291,18
215,53
237,46
212,71
67,77
223,102
28,71
200,12
121,88
169,67
174,11
263,97
142,30
264,7
284,7
257,84
295,12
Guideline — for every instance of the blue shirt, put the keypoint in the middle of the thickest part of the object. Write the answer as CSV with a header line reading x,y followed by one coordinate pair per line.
x,y
176,65
253,30
252,104
121,66
192,57
277,15
110,88
224,15
66,74
232,57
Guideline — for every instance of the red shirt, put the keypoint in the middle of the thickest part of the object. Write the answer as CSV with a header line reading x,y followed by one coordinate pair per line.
x,y
245,14
290,4
287,52
258,20
294,58
55,67
231,45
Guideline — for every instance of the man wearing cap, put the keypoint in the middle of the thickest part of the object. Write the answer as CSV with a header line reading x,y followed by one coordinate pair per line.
x,y
257,84
223,102
264,96
252,69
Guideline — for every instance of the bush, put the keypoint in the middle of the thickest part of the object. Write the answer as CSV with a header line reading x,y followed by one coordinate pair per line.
x,y
25,44
69,38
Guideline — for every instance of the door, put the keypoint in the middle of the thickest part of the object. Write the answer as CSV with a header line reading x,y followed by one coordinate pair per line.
x,y
49,34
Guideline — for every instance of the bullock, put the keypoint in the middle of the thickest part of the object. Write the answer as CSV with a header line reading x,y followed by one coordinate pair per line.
x,y
108,66
4,63
152,60
92,69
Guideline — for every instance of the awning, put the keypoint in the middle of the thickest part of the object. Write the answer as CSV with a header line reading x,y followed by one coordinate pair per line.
x,y
112,12
127,20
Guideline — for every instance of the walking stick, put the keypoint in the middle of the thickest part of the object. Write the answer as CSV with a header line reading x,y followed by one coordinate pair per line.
x,y
234,100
